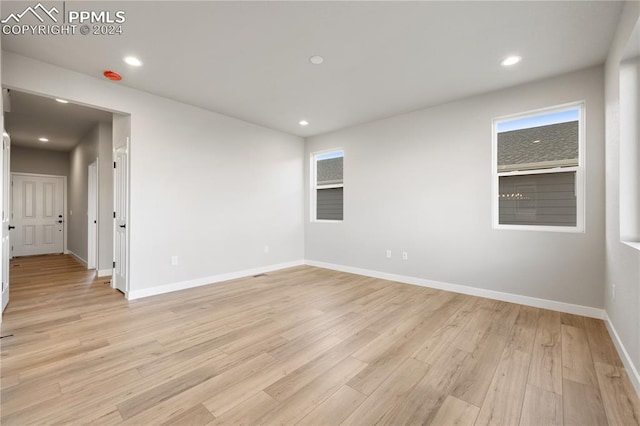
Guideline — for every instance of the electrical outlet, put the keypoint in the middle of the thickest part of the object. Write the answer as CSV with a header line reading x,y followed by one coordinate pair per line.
x,y
174,260
613,292
388,254
405,255
266,249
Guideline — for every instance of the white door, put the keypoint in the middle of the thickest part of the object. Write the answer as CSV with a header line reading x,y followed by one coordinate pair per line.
x,y
37,214
120,203
6,209
92,216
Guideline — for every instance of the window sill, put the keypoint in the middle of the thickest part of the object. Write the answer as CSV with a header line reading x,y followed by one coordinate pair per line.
x,y
327,221
632,244
540,228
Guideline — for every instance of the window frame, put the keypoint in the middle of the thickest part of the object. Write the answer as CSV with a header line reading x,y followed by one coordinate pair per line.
x,y
629,200
313,208
579,170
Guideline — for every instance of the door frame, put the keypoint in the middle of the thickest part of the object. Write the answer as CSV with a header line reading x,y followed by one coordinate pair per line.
x,y
5,220
64,204
127,148
93,214
73,97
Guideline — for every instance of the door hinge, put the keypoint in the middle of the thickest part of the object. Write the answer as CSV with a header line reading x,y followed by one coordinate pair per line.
x,y
114,164
114,264
114,215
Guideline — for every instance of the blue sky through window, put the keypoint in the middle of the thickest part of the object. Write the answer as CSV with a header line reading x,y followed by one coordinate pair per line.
x,y
329,155
539,120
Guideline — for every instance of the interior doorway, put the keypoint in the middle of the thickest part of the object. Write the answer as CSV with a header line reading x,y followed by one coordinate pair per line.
x,y
76,143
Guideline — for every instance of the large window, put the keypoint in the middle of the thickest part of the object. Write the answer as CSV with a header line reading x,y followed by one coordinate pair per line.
x,y
327,186
538,170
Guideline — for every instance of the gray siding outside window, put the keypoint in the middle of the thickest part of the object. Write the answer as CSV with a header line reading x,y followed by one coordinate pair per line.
x,y
329,191
329,204
547,199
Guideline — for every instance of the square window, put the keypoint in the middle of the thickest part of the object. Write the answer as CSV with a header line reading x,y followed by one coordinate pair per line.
x,y
328,186
538,170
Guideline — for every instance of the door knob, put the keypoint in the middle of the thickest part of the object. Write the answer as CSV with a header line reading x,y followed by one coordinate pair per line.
x,y
11,227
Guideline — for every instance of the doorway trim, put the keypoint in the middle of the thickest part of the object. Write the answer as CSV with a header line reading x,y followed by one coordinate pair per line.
x,y
5,220
45,92
64,205
120,222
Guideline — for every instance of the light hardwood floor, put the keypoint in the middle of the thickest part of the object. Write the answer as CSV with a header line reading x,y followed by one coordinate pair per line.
x,y
299,346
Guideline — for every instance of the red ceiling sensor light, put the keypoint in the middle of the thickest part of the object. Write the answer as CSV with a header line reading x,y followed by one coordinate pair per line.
x,y
112,75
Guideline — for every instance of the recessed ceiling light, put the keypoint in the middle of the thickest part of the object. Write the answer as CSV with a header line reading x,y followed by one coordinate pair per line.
x,y
536,141
316,59
62,101
133,61
43,139
303,122
511,60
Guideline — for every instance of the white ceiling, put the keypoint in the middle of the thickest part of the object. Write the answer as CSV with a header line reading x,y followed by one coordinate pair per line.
x,y
250,59
32,117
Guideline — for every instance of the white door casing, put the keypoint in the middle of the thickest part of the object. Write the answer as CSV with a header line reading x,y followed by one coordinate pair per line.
x,y
38,214
6,211
120,204
92,216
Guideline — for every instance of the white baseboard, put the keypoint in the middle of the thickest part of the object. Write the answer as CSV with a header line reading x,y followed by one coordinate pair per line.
x,y
456,288
586,311
105,272
78,258
632,371
182,285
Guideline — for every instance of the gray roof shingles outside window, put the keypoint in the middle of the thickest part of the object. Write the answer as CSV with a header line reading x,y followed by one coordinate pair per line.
x,y
557,142
330,171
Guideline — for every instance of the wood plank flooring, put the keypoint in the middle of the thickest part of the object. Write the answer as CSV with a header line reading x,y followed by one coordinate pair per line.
x,y
301,346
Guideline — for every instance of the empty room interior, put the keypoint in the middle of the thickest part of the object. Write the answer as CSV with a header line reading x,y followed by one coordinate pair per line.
x,y
320,213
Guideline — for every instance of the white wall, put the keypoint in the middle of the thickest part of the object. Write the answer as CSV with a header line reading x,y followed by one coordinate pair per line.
x,y
205,187
623,261
105,196
97,143
80,157
39,161
421,183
